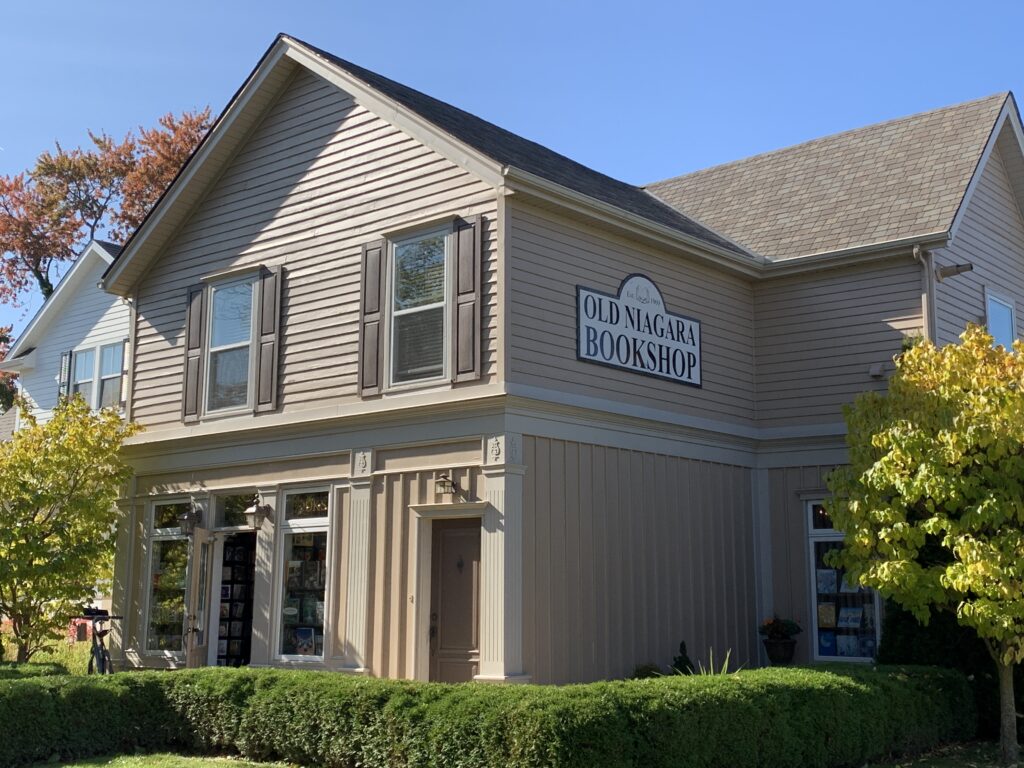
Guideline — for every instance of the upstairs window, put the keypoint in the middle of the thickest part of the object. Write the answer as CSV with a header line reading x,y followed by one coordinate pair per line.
x,y
1000,319
97,374
419,271
229,369
83,374
111,369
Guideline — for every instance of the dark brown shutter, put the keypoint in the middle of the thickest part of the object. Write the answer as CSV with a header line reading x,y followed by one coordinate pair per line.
x,y
124,374
195,333
371,320
268,329
466,308
64,375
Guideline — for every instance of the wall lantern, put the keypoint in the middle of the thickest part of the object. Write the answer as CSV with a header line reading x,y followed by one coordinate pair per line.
x,y
444,485
190,518
257,513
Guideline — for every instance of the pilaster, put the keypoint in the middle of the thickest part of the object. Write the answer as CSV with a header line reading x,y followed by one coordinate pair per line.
x,y
360,521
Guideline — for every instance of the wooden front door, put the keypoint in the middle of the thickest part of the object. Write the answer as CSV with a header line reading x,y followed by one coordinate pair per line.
x,y
455,600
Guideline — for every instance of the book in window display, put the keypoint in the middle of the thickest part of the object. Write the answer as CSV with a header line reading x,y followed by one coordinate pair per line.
x,y
826,615
237,610
827,643
308,610
867,647
311,574
318,645
827,580
305,641
848,645
222,647
850,617
294,574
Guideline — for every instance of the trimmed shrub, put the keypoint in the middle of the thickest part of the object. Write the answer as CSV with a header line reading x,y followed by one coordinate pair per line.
x,y
781,717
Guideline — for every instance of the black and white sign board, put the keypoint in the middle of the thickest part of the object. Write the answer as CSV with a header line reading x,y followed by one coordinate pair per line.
x,y
634,331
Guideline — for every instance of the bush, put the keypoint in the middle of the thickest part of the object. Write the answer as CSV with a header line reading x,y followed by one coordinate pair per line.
x,y
780,717
944,643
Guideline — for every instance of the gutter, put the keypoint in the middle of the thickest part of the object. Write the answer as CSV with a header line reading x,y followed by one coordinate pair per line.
x,y
853,255
927,261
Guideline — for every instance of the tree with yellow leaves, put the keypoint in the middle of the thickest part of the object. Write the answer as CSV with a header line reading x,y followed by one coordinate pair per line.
x,y
932,501
59,482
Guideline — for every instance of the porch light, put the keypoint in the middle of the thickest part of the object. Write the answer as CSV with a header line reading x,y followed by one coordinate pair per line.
x,y
190,518
257,513
444,485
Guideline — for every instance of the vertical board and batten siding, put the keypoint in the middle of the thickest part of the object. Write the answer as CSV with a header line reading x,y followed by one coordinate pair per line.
x,y
549,255
788,490
991,237
818,335
318,177
393,563
625,554
89,319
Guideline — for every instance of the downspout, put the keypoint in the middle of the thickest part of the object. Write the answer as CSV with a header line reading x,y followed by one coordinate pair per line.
x,y
927,261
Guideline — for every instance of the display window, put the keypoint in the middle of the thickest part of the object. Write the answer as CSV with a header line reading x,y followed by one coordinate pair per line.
x,y
167,579
845,617
304,574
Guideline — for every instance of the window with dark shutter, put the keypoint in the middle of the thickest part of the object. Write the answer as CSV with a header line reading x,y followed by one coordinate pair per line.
x,y
467,302
371,327
64,375
268,331
195,320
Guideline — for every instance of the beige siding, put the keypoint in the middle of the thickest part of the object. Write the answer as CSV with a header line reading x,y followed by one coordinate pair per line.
x,y
818,336
991,237
789,489
627,553
551,255
319,177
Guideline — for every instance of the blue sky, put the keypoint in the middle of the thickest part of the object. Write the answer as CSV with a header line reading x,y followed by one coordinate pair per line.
x,y
640,90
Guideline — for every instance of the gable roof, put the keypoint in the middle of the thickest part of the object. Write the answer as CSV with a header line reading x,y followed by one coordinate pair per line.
x,y
887,182
95,252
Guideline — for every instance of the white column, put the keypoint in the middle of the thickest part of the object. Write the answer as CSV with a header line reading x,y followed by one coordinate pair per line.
x,y
501,560
264,643
360,519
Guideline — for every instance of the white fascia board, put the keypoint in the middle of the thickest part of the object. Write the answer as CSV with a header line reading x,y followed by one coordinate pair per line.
x,y
16,365
428,134
979,169
112,281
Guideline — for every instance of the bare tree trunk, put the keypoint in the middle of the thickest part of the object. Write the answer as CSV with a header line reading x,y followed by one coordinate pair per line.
x,y
1009,752
22,652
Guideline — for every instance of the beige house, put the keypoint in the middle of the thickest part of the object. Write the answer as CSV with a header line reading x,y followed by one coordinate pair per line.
x,y
425,399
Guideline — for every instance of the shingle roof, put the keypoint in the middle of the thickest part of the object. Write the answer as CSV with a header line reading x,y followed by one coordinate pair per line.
x,y
507,148
112,248
894,180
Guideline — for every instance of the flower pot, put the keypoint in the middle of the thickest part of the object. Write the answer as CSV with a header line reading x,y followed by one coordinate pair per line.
x,y
780,652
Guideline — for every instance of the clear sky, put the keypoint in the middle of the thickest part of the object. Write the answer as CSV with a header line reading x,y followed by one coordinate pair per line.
x,y
639,89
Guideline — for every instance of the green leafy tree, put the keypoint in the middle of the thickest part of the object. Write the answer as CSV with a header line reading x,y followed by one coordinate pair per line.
x,y
932,501
59,482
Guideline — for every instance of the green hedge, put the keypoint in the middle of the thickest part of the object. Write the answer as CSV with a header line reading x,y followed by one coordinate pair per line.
x,y
778,717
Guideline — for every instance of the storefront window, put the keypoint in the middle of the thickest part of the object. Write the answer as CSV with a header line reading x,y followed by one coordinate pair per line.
x,y
230,509
304,574
168,579
845,616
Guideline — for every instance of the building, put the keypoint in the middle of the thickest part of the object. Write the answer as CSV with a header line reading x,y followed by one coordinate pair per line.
x,y
425,399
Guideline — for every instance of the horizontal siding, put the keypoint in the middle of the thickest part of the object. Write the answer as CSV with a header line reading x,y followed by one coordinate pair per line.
x,y
89,319
625,554
991,237
551,255
818,335
319,177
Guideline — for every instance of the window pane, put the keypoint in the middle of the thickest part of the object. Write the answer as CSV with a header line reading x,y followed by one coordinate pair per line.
x,y
819,518
419,345
84,389
167,596
232,314
229,378
85,365
166,515
110,392
845,613
299,505
419,272
110,359
230,509
1000,323
305,587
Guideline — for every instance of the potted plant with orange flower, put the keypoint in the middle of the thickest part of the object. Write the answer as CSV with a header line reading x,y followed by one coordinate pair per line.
x,y
778,639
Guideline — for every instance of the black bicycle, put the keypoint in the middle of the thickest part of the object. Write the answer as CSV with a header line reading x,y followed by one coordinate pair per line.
x,y
99,658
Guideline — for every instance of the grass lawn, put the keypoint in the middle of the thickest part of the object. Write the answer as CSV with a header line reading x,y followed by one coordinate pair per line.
x,y
165,761
981,755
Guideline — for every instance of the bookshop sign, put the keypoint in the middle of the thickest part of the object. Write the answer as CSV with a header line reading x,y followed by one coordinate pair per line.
x,y
634,331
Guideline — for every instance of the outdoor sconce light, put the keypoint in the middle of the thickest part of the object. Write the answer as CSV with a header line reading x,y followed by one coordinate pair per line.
x,y
257,513
952,270
445,485
190,518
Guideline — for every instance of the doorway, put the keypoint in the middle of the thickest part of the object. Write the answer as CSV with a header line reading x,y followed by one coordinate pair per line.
x,y
455,600
233,638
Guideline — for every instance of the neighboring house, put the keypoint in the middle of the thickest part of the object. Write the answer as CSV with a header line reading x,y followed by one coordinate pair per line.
x,y
496,416
77,340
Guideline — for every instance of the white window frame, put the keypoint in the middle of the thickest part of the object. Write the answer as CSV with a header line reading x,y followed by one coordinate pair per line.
x,y
97,370
817,536
214,523
444,376
252,279
1007,302
153,535
283,529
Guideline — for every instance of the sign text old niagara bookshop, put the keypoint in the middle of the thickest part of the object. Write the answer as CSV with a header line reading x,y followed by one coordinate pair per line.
x,y
636,332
